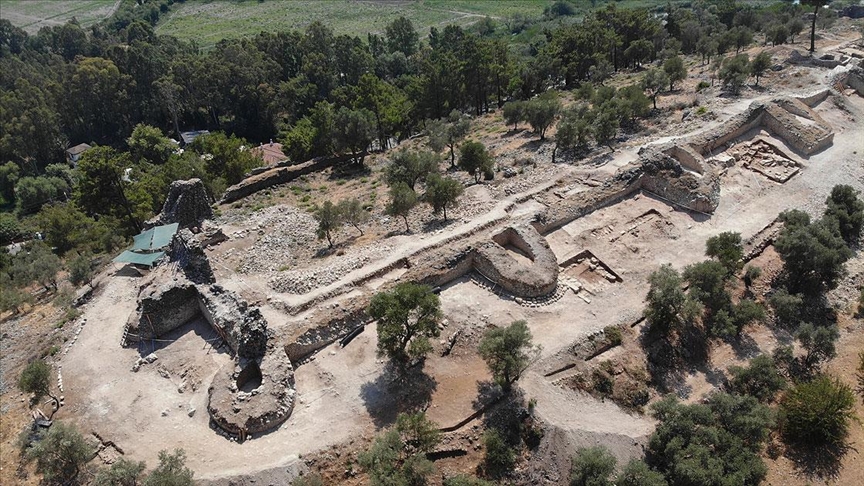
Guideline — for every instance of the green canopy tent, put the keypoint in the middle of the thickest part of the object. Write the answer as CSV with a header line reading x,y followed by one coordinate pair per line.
x,y
145,259
146,247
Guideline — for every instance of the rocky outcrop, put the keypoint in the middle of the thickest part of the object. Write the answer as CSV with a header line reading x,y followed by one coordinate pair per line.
x,y
187,204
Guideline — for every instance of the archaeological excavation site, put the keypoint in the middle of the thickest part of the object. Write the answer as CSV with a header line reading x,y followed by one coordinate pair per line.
x,y
629,278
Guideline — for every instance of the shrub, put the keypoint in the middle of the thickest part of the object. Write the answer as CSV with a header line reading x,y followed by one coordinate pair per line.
x,y
500,457
817,412
760,379
122,473
592,466
60,455
613,335
637,473
36,379
787,308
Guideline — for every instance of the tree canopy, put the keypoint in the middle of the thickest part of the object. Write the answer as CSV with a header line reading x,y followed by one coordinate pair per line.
x,y
407,317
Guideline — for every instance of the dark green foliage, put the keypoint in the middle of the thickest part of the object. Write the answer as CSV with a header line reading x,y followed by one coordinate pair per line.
x,y
817,412
411,167
708,285
122,473
541,112
592,466
675,70
508,352
500,457
81,269
226,157
32,192
717,442
463,480
36,263
329,219
637,473
60,454
818,342
407,317
402,201
759,379
760,64
474,159
36,379
605,127
613,335
398,456
813,255
846,211
171,471
514,112
10,229
734,72
353,131
665,300
351,211
751,273
149,144
448,132
12,297
726,248
9,175
401,36
787,308
441,193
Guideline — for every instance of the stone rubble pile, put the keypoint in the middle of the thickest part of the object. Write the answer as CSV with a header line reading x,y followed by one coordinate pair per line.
x,y
304,281
284,234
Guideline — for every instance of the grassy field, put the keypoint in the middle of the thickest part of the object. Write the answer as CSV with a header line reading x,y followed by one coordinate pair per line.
x,y
32,15
209,21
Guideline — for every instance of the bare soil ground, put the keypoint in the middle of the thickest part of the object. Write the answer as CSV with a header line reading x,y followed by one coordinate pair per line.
x,y
346,395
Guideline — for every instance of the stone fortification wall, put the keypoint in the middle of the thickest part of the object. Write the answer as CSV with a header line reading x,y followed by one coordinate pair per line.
x,y
187,252
261,408
278,175
707,142
614,189
535,280
187,204
241,326
161,309
805,138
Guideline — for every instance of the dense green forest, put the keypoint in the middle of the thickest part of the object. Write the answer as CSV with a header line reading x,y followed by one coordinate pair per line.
x,y
124,90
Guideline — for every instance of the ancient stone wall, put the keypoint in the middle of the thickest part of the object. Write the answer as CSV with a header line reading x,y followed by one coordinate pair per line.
x,y
162,308
805,138
187,204
278,175
537,279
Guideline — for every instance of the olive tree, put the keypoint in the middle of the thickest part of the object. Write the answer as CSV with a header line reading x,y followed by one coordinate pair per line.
x,y
60,454
508,351
402,201
441,193
36,379
398,456
329,218
592,466
407,317
817,412
352,212
171,470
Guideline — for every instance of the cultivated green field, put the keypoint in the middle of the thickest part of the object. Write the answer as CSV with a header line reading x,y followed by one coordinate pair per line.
x,y
209,21
32,15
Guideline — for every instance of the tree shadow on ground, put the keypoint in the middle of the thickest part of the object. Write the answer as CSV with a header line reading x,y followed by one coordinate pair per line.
x,y
671,360
821,462
349,171
211,342
398,389
504,412
437,224
744,346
